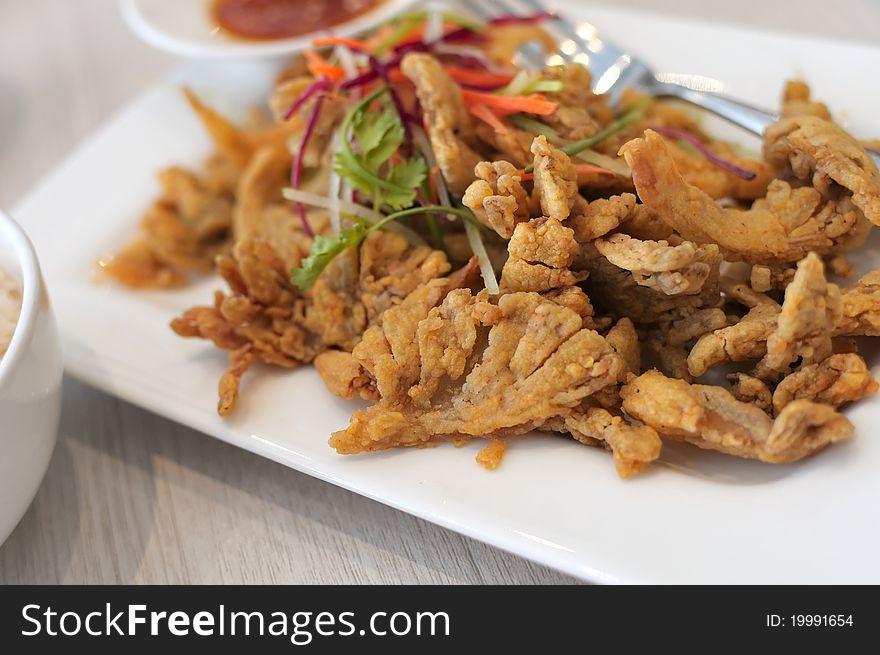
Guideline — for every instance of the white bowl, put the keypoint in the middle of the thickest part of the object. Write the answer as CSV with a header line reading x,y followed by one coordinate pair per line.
x,y
185,28
30,382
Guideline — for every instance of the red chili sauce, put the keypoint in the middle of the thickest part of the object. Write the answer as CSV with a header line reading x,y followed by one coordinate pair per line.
x,y
281,19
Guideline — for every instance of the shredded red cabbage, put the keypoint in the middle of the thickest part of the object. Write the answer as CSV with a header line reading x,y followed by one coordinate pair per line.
x,y
296,171
513,19
360,80
312,89
462,35
380,70
676,133
466,61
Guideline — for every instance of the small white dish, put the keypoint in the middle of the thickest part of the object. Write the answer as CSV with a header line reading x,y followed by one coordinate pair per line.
x,y
30,382
185,28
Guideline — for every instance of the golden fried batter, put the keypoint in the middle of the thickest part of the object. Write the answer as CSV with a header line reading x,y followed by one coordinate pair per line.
x,y
633,447
506,369
616,290
267,318
749,389
672,270
497,197
447,120
540,253
710,417
837,380
809,315
555,179
781,227
820,152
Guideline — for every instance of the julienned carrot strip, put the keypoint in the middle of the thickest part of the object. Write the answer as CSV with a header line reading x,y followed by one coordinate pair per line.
x,y
581,169
471,76
485,114
354,44
396,75
317,67
504,105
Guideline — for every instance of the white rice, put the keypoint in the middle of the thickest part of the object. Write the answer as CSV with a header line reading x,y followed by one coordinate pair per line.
x,y
10,308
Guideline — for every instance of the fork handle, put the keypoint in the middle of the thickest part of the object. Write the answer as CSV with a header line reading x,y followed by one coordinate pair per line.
x,y
739,113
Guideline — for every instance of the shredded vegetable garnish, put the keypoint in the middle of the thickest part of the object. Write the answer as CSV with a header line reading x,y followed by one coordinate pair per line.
x,y
296,171
633,114
318,67
513,19
526,82
325,202
477,78
485,114
320,84
325,248
420,17
684,135
534,126
471,227
505,105
588,155
614,164
379,135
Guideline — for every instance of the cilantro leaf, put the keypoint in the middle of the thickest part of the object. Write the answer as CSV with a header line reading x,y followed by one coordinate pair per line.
x,y
379,134
324,250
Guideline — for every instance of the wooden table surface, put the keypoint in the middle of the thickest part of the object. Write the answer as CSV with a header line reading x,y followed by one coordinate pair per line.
x,y
132,497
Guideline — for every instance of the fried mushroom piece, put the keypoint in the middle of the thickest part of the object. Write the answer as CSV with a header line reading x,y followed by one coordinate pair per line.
x,y
819,152
796,101
839,379
810,312
749,389
581,113
268,319
802,327
540,252
695,326
497,197
671,270
669,358
182,233
555,179
783,226
446,119
744,340
861,307
616,291
710,417
344,375
622,212
718,182
476,369
624,339
633,447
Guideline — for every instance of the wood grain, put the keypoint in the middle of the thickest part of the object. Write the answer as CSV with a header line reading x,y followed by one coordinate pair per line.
x,y
132,497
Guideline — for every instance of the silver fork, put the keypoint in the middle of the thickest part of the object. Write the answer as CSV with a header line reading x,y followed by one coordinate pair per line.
x,y
614,69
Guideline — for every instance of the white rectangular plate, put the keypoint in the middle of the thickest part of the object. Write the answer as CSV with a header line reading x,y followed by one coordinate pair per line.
x,y
697,517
